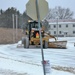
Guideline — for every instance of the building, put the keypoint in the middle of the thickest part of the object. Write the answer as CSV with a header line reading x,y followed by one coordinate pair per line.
x,y
63,27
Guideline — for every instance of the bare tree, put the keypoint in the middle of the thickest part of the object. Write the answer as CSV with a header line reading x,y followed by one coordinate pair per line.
x,y
61,13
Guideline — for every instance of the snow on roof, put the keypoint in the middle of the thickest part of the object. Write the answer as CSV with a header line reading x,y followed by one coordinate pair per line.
x,y
61,21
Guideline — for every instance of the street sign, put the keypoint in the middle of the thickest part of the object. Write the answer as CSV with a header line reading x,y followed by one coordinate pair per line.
x,y
47,66
31,9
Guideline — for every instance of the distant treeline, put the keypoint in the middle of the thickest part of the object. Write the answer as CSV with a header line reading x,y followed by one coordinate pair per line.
x,y
6,19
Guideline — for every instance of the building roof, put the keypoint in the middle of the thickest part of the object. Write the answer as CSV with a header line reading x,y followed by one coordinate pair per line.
x,y
61,21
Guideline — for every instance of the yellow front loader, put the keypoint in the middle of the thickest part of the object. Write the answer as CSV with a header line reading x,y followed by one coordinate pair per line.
x,y
33,38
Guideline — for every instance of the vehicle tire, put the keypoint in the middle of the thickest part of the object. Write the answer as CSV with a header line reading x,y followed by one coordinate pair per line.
x,y
25,41
45,44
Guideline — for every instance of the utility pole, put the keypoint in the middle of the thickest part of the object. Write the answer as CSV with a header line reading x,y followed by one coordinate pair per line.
x,y
13,29
57,28
16,26
38,18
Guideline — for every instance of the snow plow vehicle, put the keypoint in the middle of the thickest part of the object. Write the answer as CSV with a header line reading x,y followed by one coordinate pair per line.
x,y
32,37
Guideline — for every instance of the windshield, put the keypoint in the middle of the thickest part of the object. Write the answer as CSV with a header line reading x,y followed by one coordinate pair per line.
x,y
35,25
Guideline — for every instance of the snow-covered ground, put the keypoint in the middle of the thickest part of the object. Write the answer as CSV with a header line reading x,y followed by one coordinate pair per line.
x,y
20,61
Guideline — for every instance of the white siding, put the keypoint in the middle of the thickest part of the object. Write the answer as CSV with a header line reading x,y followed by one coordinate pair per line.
x,y
69,30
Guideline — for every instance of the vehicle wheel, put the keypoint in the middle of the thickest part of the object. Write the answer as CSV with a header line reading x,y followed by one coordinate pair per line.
x,y
45,44
25,41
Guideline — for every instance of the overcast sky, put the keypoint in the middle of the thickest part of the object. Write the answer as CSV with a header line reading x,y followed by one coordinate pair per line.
x,y
20,4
